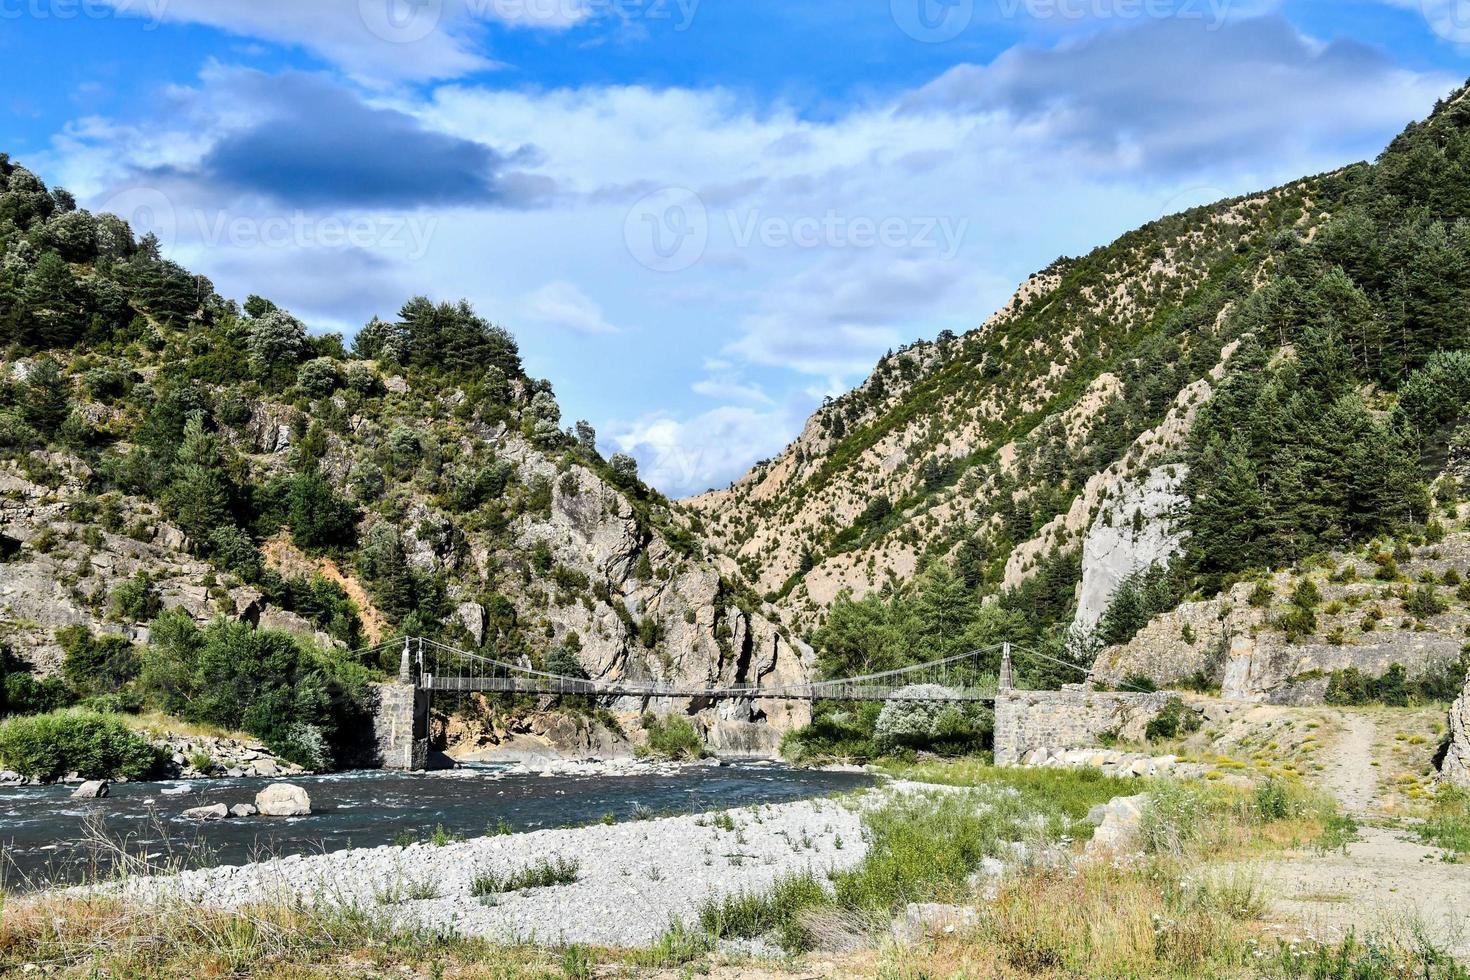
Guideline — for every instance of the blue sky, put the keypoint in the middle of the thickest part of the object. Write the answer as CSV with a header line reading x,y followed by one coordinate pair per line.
x,y
699,217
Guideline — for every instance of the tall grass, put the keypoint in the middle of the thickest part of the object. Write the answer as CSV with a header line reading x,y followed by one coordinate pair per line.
x,y
1448,823
98,936
545,873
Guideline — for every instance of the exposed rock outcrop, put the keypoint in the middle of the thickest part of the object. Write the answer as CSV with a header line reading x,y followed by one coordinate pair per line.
x,y
1136,528
1455,769
1236,640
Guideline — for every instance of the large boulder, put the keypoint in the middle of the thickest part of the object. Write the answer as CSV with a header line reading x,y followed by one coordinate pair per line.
x,y
283,800
1455,769
1117,822
214,811
92,789
919,920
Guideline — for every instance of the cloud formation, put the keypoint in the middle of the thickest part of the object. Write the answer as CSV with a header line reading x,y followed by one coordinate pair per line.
x,y
1167,96
316,144
1038,152
564,306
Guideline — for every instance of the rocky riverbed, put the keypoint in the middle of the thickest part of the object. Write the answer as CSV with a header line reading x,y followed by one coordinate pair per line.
x,y
45,833
632,879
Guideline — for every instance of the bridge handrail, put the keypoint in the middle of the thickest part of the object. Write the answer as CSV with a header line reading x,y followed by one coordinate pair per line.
x,y
870,684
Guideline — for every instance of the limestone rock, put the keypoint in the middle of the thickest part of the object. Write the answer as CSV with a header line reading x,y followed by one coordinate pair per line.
x,y
473,616
1117,823
918,920
92,789
1137,527
283,800
243,810
215,811
1455,769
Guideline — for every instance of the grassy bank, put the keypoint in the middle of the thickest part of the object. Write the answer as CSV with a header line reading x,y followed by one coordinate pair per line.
x,y
1171,911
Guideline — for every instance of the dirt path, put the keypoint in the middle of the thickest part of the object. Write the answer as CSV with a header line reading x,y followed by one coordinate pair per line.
x,y
1387,880
1349,774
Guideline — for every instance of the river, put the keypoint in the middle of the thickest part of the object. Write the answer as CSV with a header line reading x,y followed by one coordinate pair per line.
x,y
43,831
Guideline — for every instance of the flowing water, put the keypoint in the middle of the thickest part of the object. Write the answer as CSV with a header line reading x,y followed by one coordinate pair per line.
x,y
43,831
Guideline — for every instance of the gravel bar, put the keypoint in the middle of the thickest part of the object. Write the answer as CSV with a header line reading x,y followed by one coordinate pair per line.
x,y
634,879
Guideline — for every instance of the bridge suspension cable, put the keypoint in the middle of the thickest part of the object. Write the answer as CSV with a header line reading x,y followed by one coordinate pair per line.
x,y
439,667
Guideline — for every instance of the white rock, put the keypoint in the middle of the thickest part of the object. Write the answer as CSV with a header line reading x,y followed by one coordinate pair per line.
x,y
243,810
215,811
923,919
283,800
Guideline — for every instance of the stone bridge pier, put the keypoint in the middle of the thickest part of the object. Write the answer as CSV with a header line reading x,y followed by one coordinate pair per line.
x,y
401,722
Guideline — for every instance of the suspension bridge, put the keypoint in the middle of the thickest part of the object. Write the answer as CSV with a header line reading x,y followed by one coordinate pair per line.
x,y
441,669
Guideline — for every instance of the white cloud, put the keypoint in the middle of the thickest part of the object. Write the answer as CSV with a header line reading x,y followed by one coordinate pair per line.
x,y
705,451
375,41
731,389
565,306
1039,152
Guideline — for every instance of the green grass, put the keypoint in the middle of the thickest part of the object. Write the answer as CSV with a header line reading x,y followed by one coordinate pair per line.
x,y
1448,824
543,874
778,910
922,848
1068,793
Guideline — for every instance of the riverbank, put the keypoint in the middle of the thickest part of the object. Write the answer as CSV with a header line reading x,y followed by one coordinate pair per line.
x,y
45,835
629,881
977,871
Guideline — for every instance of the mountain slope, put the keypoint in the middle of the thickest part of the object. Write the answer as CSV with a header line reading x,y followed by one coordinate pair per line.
x,y
1244,384
164,449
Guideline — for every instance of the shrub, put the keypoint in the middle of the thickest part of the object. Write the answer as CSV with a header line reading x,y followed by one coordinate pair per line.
x,y
24,695
1140,682
93,745
318,378
136,601
319,518
1297,622
1424,602
949,729
673,737
96,665
308,706
1174,720
1272,801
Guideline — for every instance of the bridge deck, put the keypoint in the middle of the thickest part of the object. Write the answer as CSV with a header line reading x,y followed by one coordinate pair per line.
x,y
643,689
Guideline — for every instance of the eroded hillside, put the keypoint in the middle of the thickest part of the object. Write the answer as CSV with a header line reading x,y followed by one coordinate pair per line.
x,y
162,449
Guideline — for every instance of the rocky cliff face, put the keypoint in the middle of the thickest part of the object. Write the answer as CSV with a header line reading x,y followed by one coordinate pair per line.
x,y
1137,528
1455,767
1011,437
1366,618
585,569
